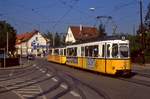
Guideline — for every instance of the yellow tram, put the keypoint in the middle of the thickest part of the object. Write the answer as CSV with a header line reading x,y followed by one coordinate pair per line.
x,y
107,56
57,55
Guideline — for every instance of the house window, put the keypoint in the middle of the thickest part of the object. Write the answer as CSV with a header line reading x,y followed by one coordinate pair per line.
x,y
36,38
70,35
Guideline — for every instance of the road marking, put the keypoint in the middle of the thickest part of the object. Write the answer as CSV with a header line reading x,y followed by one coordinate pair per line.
x,y
32,87
74,94
48,75
27,91
12,87
43,96
10,74
34,65
37,67
27,96
54,79
64,86
30,82
43,71
18,85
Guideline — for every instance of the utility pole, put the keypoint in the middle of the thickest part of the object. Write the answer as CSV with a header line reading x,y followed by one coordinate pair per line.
x,y
7,43
53,39
142,34
134,32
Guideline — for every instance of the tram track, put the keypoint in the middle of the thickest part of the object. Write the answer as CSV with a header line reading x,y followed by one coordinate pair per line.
x,y
58,84
23,83
64,86
18,75
142,74
21,74
15,71
51,89
74,85
99,92
68,87
137,78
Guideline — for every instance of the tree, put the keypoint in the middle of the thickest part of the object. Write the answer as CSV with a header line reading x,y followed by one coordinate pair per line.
x,y
49,36
147,18
4,29
147,30
57,40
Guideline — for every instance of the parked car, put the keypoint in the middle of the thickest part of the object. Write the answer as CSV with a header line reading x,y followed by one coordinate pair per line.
x,y
31,57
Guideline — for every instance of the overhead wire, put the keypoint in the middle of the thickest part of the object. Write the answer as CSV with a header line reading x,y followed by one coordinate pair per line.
x,y
71,7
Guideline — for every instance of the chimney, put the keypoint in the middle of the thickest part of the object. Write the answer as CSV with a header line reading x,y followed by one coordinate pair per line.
x,y
80,28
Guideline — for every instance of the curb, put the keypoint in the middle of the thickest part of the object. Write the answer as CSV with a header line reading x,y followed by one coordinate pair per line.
x,y
143,66
17,67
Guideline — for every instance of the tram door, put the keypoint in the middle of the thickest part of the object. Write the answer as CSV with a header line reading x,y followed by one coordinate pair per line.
x,y
108,58
106,54
103,62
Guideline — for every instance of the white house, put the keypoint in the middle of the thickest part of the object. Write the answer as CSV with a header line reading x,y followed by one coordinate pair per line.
x,y
31,43
80,33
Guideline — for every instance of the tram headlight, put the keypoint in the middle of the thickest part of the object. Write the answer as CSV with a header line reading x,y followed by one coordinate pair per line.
x,y
113,68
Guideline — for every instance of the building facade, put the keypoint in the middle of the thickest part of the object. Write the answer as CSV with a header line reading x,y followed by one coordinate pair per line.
x,y
81,33
31,43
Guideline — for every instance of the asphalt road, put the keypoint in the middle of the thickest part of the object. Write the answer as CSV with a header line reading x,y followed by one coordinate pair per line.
x,y
46,80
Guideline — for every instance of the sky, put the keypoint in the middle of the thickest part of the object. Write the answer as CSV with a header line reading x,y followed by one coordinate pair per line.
x,y
58,15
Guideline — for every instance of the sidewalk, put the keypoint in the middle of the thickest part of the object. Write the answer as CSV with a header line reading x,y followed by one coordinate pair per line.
x,y
9,95
18,66
145,68
141,65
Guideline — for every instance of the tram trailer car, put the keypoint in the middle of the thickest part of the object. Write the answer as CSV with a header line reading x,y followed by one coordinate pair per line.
x,y
57,55
108,56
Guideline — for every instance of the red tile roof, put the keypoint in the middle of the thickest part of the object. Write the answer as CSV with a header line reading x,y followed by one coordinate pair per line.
x,y
25,36
84,32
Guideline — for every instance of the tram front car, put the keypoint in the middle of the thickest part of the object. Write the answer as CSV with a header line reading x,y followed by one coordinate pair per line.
x,y
121,60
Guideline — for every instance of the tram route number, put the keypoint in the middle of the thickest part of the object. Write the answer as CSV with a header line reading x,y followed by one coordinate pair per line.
x,y
72,60
90,63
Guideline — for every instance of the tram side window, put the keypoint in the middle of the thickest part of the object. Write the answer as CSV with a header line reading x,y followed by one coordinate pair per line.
x,y
108,50
82,51
91,51
115,50
103,50
56,52
86,51
61,51
64,51
75,51
72,51
95,51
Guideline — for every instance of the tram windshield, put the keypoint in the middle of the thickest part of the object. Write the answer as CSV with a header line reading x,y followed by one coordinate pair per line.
x,y
124,51
120,51
115,52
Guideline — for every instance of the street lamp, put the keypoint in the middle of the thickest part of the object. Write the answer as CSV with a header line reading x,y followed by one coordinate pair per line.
x,y
3,56
142,31
92,9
